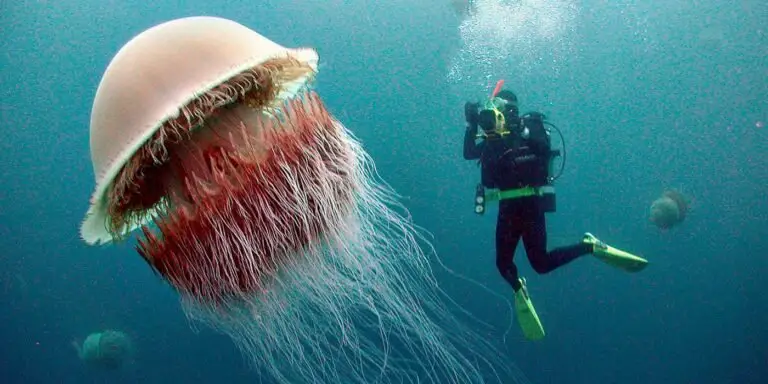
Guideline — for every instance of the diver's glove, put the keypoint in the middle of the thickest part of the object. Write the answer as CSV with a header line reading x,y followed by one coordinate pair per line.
x,y
470,114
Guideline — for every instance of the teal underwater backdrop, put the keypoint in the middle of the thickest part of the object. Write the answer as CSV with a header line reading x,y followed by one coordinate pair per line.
x,y
664,94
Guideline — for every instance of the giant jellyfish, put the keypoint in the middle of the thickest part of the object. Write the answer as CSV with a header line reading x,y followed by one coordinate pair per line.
x,y
264,213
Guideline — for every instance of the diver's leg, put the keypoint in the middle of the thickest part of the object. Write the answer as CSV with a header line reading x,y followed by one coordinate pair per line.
x,y
535,242
507,237
513,227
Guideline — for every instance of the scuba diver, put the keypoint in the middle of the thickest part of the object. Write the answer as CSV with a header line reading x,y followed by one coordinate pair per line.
x,y
515,156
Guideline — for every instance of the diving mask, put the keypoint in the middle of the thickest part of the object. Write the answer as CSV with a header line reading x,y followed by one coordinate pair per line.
x,y
497,103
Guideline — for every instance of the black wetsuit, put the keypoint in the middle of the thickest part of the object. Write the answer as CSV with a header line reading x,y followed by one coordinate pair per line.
x,y
512,162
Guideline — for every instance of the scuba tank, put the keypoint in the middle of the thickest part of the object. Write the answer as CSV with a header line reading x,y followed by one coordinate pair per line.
x,y
548,197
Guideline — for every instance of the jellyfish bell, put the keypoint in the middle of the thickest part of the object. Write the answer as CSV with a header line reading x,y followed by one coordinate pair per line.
x,y
263,211
669,210
664,212
108,350
153,90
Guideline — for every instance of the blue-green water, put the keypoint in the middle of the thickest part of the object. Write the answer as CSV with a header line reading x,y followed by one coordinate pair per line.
x,y
653,96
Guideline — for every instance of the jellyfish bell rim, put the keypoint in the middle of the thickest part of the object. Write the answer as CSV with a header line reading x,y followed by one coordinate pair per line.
x,y
234,49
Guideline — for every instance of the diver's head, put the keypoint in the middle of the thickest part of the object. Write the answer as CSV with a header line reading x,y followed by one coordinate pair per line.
x,y
508,102
498,110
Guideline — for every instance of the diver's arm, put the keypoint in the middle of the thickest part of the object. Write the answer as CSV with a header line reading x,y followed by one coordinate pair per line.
x,y
472,149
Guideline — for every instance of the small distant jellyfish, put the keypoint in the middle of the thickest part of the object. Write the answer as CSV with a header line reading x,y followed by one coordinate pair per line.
x,y
108,350
712,38
462,7
669,210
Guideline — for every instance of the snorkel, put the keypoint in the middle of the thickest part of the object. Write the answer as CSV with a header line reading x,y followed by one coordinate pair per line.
x,y
496,90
